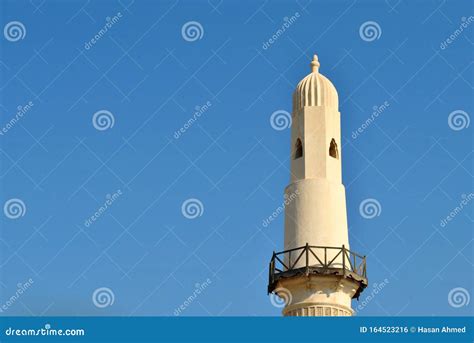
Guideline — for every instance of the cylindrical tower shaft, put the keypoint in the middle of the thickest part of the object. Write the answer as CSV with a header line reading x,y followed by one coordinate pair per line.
x,y
317,260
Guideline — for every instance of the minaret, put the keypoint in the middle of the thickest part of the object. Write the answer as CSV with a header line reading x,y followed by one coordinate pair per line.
x,y
317,274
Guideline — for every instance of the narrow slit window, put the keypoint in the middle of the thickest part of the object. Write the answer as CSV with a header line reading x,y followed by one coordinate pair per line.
x,y
298,149
333,152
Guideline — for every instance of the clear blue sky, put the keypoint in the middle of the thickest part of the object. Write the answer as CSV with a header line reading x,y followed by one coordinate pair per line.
x,y
151,79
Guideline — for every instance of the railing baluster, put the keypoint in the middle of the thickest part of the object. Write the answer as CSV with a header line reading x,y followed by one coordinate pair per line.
x,y
365,268
307,255
289,260
307,258
325,257
343,260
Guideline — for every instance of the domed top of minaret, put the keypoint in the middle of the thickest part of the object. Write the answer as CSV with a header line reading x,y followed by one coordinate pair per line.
x,y
315,90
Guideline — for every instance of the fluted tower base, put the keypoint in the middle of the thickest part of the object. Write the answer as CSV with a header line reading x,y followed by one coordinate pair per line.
x,y
317,296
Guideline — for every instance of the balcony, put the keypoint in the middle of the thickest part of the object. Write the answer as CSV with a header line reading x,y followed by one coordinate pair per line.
x,y
318,260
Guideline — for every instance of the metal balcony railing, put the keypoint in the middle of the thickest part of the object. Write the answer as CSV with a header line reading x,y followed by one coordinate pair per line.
x,y
318,260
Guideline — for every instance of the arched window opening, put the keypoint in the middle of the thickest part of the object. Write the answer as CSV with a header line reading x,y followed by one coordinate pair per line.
x,y
298,149
333,152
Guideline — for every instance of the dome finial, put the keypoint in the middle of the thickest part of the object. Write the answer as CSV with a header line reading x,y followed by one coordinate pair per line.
x,y
315,64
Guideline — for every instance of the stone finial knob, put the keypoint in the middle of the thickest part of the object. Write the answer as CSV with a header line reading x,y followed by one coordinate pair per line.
x,y
315,64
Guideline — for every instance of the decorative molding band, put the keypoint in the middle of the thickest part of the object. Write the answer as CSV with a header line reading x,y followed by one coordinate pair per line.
x,y
318,311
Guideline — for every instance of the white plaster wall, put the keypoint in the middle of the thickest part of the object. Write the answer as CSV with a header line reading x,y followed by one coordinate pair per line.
x,y
316,216
316,127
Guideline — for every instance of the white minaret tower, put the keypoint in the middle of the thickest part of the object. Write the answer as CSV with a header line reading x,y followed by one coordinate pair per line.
x,y
316,274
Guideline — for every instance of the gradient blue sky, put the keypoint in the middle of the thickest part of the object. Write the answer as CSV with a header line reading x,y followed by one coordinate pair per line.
x,y
151,79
